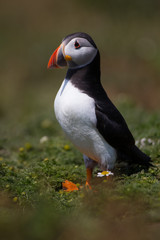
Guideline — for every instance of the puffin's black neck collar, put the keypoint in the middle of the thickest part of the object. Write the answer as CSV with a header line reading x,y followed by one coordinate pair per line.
x,y
85,77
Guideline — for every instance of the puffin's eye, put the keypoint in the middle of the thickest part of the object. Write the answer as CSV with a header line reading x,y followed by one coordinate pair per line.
x,y
76,44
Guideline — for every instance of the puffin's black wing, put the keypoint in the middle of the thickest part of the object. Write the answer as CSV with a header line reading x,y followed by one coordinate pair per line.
x,y
112,125
114,129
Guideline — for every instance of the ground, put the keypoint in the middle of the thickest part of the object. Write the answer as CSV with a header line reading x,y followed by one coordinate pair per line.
x,y
33,203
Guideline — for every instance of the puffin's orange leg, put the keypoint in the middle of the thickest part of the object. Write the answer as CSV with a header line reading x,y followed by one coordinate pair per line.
x,y
89,176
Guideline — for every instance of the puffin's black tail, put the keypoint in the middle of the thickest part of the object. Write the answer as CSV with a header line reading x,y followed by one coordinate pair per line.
x,y
140,157
134,155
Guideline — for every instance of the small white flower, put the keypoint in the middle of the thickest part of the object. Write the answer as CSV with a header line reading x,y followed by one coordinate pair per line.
x,y
104,173
150,141
143,141
44,139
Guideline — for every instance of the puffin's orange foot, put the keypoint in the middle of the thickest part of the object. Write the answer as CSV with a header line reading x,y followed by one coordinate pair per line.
x,y
87,185
69,186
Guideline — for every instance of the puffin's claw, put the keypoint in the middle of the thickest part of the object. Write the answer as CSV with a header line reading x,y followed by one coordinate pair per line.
x,y
88,186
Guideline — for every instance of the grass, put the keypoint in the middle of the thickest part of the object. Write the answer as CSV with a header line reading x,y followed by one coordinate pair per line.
x,y
34,205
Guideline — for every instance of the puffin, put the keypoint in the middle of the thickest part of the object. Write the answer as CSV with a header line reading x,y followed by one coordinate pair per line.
x,y
84,111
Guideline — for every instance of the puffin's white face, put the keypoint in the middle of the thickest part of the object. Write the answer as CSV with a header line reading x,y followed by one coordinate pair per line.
x,y
79,52
76,53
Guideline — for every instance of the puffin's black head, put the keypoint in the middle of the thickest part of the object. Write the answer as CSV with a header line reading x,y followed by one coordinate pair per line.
x,y
76,50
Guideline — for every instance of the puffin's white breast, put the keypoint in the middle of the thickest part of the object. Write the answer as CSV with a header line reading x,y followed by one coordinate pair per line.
x,y
75,111
73,108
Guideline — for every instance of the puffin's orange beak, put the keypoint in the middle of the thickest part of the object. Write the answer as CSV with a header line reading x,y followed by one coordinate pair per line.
x,y
57,59
53,60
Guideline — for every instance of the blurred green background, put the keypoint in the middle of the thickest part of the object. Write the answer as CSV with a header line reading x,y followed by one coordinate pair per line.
x,y
126,32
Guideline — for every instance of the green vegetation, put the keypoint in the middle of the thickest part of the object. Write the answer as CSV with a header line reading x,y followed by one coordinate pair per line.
x,y
34,205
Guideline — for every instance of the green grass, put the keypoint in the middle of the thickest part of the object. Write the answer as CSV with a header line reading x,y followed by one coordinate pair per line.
x,y
34,205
